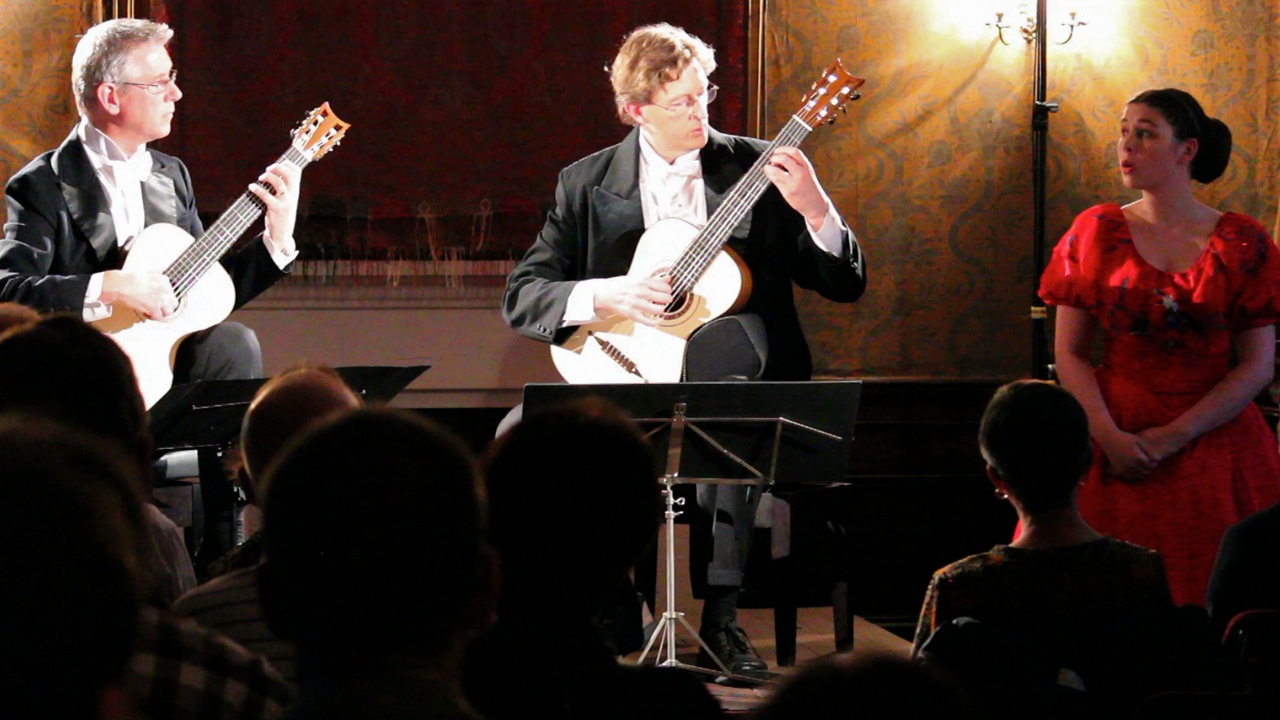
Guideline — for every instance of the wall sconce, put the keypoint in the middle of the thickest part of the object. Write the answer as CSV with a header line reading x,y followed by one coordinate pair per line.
x,y
1027,24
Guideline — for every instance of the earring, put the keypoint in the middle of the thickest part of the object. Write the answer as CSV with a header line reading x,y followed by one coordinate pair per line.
x,y
1002,494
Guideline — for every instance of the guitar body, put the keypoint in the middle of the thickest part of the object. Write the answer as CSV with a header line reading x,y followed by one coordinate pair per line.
x,y
152,344
619,350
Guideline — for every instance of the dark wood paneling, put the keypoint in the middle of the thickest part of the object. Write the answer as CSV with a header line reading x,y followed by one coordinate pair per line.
x,y
917,496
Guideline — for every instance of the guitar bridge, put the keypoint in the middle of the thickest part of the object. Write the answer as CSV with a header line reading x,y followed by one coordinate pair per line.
x,y
617,356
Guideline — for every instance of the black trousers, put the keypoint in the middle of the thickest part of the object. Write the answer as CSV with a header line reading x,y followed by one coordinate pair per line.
x,y
732,348
226,351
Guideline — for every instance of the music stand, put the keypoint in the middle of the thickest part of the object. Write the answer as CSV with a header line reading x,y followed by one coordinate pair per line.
x,y
208,413
728,433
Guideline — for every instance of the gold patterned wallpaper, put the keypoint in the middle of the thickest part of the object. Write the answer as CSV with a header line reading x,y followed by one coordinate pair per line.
x,y
933,166
37,38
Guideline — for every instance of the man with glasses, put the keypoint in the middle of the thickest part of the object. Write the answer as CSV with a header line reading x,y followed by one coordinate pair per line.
x,y
73,212
673,164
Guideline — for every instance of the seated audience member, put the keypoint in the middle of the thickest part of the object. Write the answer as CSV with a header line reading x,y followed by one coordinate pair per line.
x,y
1088,603
280,410
75,375
375,564
1246,574
567,527
70,535
873,687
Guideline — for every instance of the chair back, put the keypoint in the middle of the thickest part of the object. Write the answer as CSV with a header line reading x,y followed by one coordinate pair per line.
x,y
1252,645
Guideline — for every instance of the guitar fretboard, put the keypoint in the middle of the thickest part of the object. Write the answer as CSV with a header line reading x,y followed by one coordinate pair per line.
x,y
694,261
192,264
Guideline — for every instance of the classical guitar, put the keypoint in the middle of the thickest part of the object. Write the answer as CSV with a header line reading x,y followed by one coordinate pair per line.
x,y
707,279
206,295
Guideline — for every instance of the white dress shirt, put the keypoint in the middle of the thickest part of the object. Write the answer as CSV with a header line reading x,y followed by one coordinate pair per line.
x,y
121,179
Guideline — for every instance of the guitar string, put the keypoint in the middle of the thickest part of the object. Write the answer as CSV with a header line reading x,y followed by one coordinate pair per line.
x,y
196,260
690,266
214,235
692,263
191,265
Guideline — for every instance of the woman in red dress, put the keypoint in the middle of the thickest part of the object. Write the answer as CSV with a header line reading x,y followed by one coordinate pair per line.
x,y
1186,299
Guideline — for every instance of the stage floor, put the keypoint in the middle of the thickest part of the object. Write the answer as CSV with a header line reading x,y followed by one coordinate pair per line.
x,y
815,631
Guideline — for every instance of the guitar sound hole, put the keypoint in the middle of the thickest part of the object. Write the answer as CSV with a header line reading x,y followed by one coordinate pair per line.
x,y
677,307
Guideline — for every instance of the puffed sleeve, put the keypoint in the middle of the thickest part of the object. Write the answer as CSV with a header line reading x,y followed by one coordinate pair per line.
x,y
1258,300
1072,276
928,621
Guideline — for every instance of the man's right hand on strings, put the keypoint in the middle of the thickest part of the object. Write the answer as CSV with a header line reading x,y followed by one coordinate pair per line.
x,y
640,299
149,293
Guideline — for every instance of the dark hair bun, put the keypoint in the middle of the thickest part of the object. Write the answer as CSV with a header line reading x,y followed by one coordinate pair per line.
x,y
1214,153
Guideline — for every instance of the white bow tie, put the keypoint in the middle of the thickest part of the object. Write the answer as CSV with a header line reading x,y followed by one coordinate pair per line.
x,y
136,168
687,166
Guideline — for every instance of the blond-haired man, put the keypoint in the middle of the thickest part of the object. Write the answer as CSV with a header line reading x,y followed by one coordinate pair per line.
x,y
674,164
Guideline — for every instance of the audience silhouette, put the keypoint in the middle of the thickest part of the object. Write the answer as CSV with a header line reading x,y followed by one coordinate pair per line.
x,y
71,533
877,686
1064,618
376,564
280,410
77,376
567,526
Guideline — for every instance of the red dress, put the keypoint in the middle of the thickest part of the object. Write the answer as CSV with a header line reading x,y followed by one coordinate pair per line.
x,y
1167,340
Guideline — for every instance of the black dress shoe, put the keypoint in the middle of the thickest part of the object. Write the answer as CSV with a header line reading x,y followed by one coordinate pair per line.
x,y
731,645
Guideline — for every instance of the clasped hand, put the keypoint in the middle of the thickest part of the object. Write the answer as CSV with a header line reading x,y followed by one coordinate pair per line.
x,y
1134,456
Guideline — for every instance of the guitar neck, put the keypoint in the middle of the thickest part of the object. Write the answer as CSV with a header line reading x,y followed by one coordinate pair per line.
x,y
694,261
218,238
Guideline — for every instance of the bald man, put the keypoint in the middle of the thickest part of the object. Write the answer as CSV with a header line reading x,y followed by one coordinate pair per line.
x,y
284,406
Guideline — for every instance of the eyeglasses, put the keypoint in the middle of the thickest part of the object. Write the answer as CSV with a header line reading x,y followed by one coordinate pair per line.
x,y
687,103
156,88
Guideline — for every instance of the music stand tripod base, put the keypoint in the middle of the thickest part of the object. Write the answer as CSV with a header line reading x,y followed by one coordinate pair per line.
x,y
664,634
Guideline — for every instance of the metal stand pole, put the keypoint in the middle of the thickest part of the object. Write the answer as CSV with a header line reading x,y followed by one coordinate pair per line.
x,y
1040,110
665,633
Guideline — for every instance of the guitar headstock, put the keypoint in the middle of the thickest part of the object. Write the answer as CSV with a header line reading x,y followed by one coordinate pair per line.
x,y
830,93
319,133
